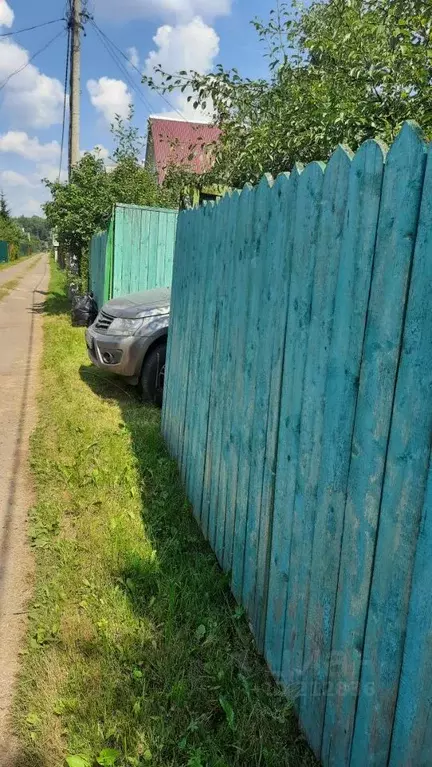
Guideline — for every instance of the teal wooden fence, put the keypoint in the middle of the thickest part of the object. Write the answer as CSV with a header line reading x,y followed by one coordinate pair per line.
x,y
298,404
136,253
4,252
100,260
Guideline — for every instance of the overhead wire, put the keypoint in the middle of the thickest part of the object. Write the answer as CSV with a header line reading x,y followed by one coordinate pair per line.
x,y
109,48
68,46
123,54
30,29
24,66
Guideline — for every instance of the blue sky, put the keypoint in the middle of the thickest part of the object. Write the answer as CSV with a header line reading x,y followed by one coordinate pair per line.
x,y
176,33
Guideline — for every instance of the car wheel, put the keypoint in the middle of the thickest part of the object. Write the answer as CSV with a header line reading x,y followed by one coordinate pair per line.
x,y
152,375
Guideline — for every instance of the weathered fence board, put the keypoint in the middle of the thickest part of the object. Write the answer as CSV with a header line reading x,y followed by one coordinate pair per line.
x,y
98,262
329,240
352,294
233,394
257,345
306,224
279,531
412,733
406,509
337,408
298,403
226,322
280,235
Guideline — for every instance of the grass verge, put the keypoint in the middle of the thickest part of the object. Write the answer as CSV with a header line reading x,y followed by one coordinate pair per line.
x,y
137,654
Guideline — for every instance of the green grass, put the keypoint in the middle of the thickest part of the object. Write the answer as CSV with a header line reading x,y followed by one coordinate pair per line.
x,y
135,643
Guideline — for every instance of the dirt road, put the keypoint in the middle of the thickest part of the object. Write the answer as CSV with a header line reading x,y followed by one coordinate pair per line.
x,y
20,349
16,270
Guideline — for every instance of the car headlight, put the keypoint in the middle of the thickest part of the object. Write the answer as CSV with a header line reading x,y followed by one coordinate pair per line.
x,y
124,327
152,324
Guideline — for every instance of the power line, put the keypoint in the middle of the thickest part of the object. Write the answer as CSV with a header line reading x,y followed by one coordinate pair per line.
x,y
122,53
29,29
108,45
24,66
65,99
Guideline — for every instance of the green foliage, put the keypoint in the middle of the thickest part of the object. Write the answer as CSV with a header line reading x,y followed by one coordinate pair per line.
x,y
79,209
108,757
229,711
11,232
79,760
4,210
340,71
36,226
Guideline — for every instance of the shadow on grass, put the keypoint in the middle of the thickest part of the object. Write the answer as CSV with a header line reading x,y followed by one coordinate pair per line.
x,y
24,759
211,692
54,304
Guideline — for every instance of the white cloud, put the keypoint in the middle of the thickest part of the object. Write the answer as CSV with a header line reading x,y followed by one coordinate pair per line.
x,y
101,151
23,188
6,14
20,143
24,194
194,45
186,46
12,178
51,172
30,97
110,97
29,207
181,10
134,59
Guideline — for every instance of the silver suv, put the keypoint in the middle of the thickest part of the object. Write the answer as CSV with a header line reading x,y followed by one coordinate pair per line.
x,y
129,337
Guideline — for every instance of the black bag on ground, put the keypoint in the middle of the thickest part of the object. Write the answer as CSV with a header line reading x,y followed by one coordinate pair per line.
x,y
84,311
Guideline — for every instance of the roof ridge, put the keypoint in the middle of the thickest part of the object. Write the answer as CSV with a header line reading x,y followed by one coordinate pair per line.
x,y
183,121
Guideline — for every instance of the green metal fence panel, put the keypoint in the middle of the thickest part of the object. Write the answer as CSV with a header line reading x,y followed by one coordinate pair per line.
x,y
144,240
4,252
24,249
109,261
98,267
298,404
135,253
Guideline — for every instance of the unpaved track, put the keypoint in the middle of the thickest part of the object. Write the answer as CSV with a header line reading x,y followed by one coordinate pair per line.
x,y
20,350
16,270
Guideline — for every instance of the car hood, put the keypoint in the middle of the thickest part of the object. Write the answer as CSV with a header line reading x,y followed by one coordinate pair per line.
x,y
148,303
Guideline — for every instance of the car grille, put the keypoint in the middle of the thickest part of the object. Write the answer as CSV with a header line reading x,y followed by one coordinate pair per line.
x,y
103,321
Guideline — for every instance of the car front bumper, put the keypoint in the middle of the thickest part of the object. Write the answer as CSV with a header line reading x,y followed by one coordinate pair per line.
x,y
119,354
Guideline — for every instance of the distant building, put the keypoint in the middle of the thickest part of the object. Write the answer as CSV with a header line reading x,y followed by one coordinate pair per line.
x,y
181,143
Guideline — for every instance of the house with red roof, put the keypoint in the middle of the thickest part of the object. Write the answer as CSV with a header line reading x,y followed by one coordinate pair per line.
x,y
181,143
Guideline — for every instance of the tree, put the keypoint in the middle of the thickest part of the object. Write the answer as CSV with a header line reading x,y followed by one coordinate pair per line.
x,y
11,231
79,209
340,71
36,226
4,210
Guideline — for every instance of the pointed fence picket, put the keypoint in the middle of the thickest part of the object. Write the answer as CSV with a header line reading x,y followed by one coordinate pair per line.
x,y
298,404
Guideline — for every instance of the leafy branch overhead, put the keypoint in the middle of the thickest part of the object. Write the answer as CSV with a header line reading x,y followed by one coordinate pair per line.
x,y
339,71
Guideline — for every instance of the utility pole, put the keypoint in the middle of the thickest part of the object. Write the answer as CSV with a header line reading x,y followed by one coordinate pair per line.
x,y
75,83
